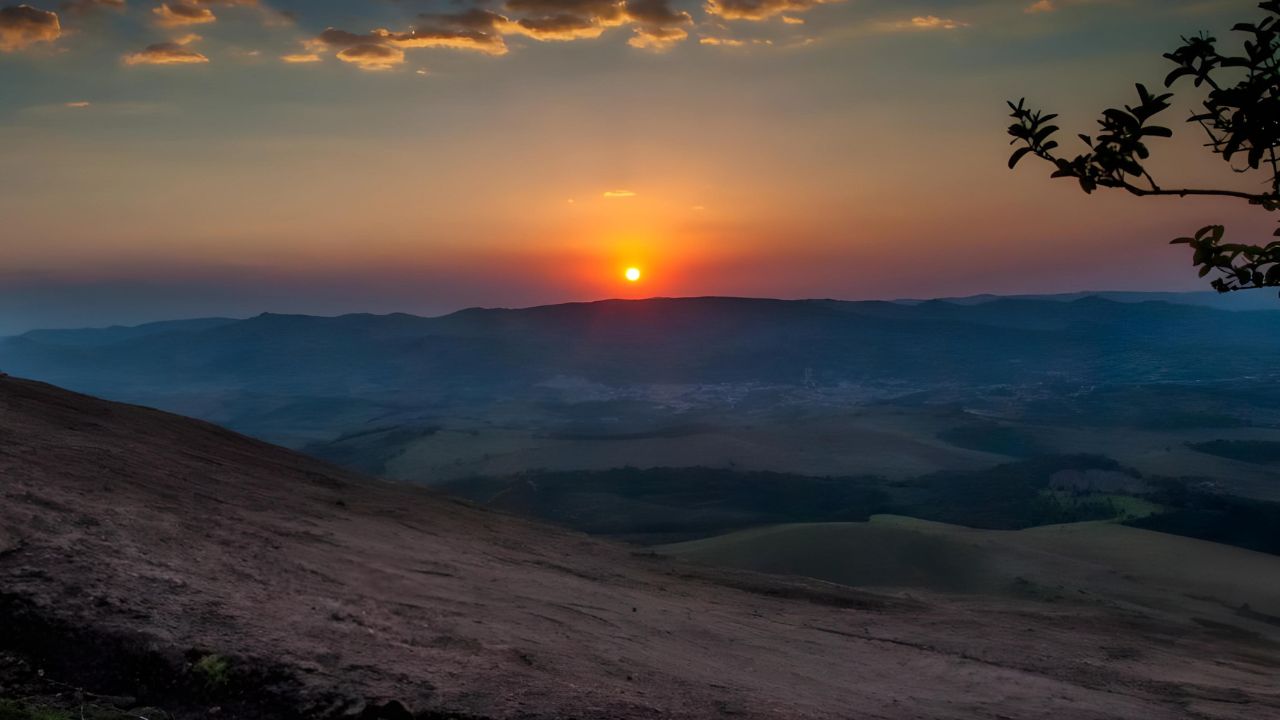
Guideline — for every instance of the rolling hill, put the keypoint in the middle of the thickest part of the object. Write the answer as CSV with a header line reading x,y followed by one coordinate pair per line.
x,y
146,554
1191,580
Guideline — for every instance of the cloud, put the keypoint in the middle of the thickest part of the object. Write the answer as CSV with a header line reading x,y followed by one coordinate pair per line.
x,y
182,14
369,56
658,39
489,43
758,9
22,26
656,13
1049,6
301,58
933,22
924,22
77,105
558,27
475,29
175,52
618,194
658,25
481,26
606,13
731,42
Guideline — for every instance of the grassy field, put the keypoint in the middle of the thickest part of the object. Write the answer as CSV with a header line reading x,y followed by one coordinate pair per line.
x,y
1153,573
891,441
883,441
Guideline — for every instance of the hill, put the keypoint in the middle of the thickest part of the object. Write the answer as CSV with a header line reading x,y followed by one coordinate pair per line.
x,y
146,554
1150,572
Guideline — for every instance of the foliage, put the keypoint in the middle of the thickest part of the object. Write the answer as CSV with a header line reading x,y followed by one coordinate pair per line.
x,y
1197,513
214,671
1240,114
14,710
1251,451
1006,497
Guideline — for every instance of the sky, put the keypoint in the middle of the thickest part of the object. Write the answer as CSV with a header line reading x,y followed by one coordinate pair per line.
x,y
229,157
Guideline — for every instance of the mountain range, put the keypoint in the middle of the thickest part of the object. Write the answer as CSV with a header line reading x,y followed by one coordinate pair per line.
x,y
674,341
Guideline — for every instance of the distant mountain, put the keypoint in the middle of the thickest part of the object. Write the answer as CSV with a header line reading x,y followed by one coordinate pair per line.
x,y
154,560
92,337
1261,299
681,341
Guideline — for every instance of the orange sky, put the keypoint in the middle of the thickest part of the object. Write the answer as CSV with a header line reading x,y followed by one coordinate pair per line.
x,y
858,153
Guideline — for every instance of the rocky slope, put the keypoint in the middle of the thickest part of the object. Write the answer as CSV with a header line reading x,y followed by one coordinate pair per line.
x,y
149,555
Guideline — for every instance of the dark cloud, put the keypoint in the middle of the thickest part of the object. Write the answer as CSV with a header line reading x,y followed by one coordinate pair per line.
x,y
182,13
476,29
473,19
560,27
605,12
368,56
656,13
22,26
758,9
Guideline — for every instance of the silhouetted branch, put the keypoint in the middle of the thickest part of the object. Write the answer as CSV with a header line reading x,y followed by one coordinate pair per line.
x,y
1241,117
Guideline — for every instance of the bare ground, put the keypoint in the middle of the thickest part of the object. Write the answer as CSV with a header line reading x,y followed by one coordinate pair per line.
x,y
145,553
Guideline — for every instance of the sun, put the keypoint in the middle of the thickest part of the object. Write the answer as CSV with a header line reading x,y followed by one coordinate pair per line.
x,y
632,274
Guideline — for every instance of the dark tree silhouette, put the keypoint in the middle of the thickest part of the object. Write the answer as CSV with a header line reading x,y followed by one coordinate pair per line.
x,y
1240,113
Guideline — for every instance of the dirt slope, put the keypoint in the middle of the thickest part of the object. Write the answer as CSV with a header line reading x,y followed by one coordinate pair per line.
x,y
153,554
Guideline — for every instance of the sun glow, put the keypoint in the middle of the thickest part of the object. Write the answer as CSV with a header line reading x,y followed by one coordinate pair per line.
x,y
632,274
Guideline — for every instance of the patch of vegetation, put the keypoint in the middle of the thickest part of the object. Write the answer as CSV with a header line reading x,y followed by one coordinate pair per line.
x,y
213,671
1227,519
1111,505
1007,497
663,505
16,710
993,438
660,505
1260,452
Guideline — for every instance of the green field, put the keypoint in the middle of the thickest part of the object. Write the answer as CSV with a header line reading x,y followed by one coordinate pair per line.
x,y
1148,572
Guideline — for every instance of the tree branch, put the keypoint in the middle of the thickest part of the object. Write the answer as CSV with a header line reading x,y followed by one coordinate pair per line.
x,y
1254,198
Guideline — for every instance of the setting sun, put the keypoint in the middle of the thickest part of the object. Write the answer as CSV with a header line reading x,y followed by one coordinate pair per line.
x,y
632,274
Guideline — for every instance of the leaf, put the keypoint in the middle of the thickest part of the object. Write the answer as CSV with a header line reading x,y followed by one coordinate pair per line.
x,y
1018,155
